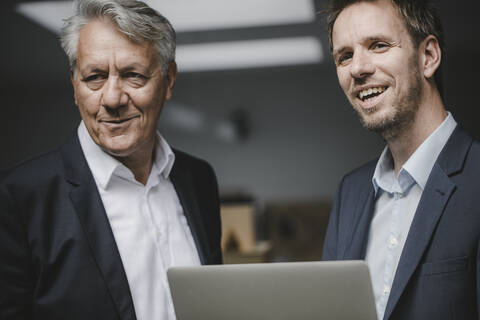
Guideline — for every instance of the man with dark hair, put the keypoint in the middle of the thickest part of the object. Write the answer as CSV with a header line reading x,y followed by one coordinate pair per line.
x,y
413,214
89,230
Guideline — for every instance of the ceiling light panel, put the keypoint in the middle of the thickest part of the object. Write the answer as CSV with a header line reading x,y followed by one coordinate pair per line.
x,y
190,15
49,14
249,54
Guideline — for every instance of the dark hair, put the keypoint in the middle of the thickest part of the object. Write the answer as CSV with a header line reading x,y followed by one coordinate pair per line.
x,y
420,17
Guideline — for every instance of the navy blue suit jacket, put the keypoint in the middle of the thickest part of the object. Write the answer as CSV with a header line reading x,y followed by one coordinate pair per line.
x,y
58,256
438,275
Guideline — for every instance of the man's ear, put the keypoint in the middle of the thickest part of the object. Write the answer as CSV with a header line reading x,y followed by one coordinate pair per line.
x,y
432,56
171,77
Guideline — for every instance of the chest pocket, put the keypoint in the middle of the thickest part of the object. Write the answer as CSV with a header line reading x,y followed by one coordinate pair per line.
x,y
444,266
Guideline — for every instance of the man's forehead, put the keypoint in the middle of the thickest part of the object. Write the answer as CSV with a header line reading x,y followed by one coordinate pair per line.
x,y
101,43
106,32
366,20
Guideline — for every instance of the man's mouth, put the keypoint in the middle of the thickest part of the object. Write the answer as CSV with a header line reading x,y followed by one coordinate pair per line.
x,y
369,93
119,120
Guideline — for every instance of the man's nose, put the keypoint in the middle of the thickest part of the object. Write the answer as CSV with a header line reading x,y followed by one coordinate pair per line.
x,y
113,95
361,66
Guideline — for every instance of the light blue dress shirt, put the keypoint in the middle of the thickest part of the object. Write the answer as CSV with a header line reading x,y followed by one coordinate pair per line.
x,y
396,200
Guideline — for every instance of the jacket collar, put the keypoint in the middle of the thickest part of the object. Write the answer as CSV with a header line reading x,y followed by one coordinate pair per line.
x,y
181,179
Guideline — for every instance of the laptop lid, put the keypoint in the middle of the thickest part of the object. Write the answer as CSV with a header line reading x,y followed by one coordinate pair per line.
x,y
339,290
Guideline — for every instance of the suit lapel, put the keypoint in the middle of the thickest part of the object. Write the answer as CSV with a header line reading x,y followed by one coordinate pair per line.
x,y
429,211
187,196
89,208
357,245
438,191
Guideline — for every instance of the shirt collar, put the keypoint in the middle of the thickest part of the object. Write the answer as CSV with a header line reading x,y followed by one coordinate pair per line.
x,y
104,166
384,178
418,167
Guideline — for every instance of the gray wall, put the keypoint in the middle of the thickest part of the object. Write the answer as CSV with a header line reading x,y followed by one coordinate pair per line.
x,y
303,134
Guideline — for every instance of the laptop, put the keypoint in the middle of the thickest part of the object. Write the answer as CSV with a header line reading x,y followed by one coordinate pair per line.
x,y
336,290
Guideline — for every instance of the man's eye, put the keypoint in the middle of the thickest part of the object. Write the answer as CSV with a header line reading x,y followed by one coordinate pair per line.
x,y
344,58
94,77
134,75
95,81
135,79
380,46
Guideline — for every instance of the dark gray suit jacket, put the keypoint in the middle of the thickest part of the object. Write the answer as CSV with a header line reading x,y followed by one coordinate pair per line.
x,y
438,275
58,256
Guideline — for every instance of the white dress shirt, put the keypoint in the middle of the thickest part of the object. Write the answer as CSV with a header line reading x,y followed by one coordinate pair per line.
x,y
148,224
396,202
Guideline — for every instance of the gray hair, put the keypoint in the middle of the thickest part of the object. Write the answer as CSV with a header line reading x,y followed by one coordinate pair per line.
x,y
133,18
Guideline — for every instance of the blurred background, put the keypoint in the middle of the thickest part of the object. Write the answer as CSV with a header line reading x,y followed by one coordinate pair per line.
x,y
257,96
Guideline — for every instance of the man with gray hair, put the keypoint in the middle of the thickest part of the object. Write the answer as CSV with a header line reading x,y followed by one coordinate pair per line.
x,y
414,213
88,230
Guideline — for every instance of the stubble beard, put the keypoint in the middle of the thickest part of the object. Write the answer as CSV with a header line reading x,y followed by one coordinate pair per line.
x,y
401,114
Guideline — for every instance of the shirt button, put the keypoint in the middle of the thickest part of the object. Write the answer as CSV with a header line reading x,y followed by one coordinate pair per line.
x,y
393,241
386,289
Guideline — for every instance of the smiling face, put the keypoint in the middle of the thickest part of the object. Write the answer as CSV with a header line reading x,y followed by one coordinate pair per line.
x,y
119,89
377,66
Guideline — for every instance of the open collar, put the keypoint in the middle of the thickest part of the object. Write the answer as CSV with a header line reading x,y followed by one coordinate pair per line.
x,y
104,165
